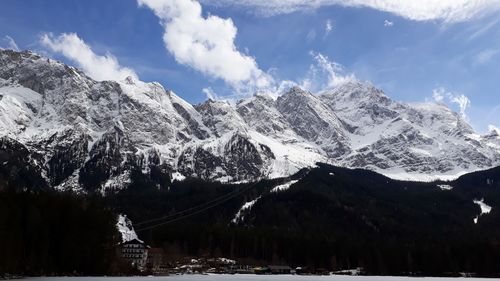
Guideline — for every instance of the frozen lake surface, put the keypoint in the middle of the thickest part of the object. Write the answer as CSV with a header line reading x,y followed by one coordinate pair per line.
x,y
248,278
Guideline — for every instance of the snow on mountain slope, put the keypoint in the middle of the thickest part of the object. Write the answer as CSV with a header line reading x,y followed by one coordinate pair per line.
x,y
221,117
240,215
261,114
311,119
93,136
492,139
407,141
17,108
270,128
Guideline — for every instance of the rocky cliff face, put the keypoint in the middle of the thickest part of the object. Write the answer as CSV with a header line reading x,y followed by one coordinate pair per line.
x,y
85,135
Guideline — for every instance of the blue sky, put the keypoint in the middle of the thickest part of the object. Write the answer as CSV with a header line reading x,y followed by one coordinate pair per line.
x,y
409,54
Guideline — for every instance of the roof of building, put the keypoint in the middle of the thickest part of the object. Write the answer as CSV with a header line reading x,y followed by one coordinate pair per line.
x,y
133,241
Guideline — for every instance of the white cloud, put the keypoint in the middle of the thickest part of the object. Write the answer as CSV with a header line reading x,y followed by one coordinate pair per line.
x,y
481,29
328,27
388,23
206,43
98,67
421,10
11,43
324,74
441,95
438,94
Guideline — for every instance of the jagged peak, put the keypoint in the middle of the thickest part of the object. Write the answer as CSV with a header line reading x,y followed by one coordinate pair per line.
x,y
25,52
217,105
130,80
18,56
296,90
434,107
493,131
259,97
299,95
357,90
265,96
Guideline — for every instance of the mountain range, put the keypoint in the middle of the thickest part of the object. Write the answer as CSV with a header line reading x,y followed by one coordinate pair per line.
x,y
70,132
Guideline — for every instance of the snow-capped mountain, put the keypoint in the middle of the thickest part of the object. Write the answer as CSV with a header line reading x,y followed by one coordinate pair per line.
x,y
83,134
409,141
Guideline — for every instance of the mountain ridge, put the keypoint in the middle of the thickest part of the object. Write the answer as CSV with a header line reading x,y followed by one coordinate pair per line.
x,y
95,135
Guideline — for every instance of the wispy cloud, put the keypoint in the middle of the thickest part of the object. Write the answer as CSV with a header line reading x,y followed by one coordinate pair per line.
x,y
324,74
328,27
11,43
206,44
441,95
438,95
209,92
98,67
481,29
422,10
463,103
388,23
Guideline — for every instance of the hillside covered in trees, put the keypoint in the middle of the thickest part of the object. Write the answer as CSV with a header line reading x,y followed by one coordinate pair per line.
x,y
327,217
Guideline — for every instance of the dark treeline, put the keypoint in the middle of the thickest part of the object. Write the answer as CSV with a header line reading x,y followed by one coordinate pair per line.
x,y
51,233
46,232
333,218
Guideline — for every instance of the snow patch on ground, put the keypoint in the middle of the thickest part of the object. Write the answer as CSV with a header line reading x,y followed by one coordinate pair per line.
x,y
247,206
445,187
400,174
485,209
125,227
421,151
226,261
283,187
178,177
116,183
290,156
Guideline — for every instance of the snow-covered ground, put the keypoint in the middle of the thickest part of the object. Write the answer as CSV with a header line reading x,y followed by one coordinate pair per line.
x,y
283,187
247,206
126,228
445,186
251,278
178,177
485,209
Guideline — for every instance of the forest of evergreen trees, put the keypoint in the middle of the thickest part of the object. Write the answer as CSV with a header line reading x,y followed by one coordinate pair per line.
x,y
51,233
333,218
